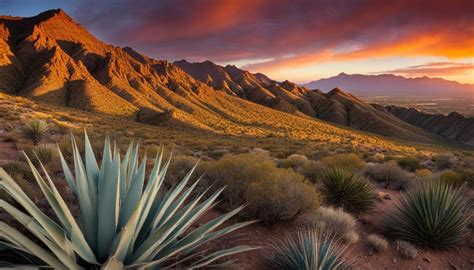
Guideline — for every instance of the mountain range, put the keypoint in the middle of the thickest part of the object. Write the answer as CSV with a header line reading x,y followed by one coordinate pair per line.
x,y
393,86
51,58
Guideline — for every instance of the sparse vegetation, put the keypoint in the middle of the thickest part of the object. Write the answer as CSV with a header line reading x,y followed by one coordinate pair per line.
x,y
410,163
376,243
406,250
432,215
36,130
348,190
349,162
336,221
390,175
309,250
45,152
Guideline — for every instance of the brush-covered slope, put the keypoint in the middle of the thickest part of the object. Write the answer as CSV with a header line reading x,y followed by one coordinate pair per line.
x,y
392,85
453,126
336,106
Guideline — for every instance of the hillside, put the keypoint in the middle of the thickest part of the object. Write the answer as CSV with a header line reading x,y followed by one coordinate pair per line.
x,y
453,126
391,85
335,106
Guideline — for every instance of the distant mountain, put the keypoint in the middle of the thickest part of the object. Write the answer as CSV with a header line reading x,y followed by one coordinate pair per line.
x,y
453,126
391,85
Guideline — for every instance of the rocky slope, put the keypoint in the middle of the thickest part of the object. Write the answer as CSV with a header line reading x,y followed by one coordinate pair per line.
x,y
336,106
391,85
453,126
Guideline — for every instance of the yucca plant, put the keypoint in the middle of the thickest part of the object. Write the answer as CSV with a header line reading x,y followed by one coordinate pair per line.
x,y
433,215
347,190
310,250
120,224
36,130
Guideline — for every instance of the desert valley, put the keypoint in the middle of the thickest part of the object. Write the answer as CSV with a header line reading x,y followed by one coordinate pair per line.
x,y
111,158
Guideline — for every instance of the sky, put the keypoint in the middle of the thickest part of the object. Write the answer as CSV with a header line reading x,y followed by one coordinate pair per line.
x,y
299,40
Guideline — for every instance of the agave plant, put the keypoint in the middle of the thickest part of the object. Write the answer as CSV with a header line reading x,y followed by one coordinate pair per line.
x,y
345,189
36,130
433,215
120,224
309,251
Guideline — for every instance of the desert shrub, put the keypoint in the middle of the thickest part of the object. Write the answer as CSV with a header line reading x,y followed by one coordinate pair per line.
x,y
344,161
312,170
337,221
458,177
433,215
236,172
273,193
294,161
282,196
45,152
179,167
309,250
406,250
423,174
409,163
347,190
36,130
24,185
390,175
376,243
450,177
444,161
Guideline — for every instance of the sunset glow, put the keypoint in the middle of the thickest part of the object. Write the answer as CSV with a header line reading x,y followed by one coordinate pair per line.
x,y
300,41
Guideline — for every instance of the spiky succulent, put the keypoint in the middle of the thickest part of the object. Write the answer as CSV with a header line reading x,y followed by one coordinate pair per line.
x,y
310,250
433,215
36,130
345,189
121,223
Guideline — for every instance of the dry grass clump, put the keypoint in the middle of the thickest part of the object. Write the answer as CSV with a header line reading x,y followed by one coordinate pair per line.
x,y
350,162
444,161
336,221
45,152
390,175
312,170
376,243
294,161
406,250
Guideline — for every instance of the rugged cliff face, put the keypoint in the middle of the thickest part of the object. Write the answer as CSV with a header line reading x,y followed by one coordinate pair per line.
x,y
453,126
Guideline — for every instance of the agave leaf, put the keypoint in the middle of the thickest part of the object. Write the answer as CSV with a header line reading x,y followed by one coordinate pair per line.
x,y
206,261
18,239
134,194
109,204
67,173
92,168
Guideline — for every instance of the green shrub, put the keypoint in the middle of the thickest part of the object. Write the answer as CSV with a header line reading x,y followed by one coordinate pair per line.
x,y
458,178
309,250
376,243
312,170
349,162
281,196
410,163
433,215
294,161
345,189
406,250
36,130
390,175
121,222
444,161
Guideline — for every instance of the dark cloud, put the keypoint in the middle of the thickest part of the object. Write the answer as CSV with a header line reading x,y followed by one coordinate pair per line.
x,y
283,30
